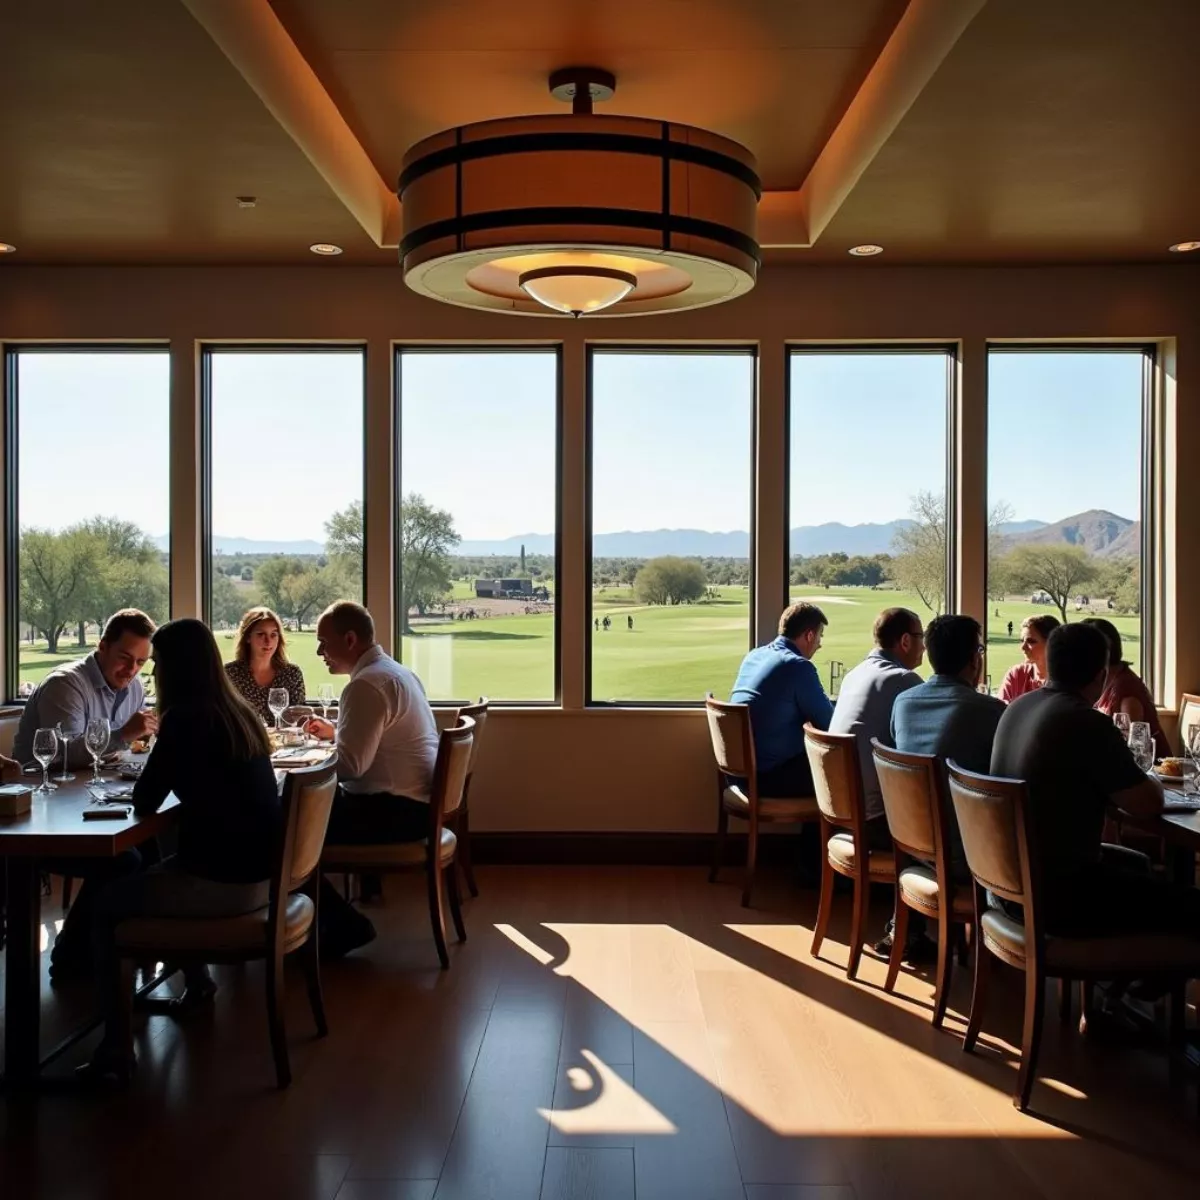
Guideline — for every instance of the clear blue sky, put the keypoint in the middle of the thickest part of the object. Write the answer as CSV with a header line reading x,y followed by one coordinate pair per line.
x,y
672,438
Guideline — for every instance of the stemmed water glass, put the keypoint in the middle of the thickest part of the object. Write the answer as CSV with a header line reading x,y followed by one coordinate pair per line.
x,y
96,738
45,747
1142,745
1191,747
1122,721
325,698
66,737
277,700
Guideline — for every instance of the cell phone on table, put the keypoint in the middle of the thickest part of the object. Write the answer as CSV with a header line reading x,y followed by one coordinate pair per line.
x,y
109,812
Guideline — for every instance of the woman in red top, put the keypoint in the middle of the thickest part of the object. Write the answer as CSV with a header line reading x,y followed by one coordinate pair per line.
x,y
1031,674
1125,692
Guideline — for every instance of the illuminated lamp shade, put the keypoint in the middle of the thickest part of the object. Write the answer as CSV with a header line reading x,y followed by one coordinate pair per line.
x,y
577,290
575,214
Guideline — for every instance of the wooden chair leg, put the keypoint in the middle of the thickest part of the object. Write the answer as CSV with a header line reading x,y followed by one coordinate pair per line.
x,y
751,863
960,942
899,937
722,831
312,977
1064,1000
275,1024
67,888
858,922
945,966
456,903
437,913
979,991
1031,1037
825,903
465,862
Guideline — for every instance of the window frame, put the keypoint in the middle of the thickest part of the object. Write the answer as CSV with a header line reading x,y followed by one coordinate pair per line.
x,y
950,351
207,352
1149,433
12,517
661,349
536,347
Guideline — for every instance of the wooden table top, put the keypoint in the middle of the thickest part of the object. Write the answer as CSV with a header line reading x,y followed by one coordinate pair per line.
x,y
54,826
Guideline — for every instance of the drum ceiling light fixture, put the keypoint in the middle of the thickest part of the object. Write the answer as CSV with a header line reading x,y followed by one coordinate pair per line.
x,y
576,214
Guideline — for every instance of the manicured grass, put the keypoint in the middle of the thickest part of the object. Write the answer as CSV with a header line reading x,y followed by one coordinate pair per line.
x,y
675,653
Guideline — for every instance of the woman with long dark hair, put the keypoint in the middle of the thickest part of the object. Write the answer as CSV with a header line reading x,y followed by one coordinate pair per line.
x,y
1124,692
212,754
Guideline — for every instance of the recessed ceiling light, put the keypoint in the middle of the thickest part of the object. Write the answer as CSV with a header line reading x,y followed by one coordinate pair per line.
x,y
1184,247
325,248
865,251
246,201
7,248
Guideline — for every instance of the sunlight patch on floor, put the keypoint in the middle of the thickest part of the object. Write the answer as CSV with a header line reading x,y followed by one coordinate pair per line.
x,y
605,1103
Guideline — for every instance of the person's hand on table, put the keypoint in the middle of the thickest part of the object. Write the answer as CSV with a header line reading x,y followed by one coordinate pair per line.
x,y
141,725
10,770
319,728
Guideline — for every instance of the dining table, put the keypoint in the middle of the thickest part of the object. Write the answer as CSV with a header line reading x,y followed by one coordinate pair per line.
x,y
53,828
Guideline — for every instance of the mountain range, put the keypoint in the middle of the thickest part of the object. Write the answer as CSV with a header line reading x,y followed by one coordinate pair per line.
x,y
1102,533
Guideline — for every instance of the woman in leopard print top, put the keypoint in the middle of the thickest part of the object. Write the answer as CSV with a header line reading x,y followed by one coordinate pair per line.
x,y
262,663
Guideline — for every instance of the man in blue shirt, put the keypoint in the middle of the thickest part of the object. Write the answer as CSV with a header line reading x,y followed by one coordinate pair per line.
x,y
783,690
105,683
946,715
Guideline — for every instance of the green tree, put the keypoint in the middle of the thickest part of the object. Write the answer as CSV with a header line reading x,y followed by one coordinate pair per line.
x,y
427,535
271,578
53,569
1057,570
228,601
670,580
310,590
344,540
125,570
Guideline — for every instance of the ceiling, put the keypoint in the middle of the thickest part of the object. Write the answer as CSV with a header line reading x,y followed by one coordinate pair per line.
x,y
1051,130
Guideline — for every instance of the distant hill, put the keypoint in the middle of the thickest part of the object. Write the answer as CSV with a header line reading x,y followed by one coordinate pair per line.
x,y
1098,531
241,545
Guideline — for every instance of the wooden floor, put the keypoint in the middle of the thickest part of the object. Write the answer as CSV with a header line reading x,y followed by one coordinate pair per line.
x,y
607,1033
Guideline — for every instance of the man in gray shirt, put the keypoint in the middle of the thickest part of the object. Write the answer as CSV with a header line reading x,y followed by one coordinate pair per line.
x,y
103,684
864,708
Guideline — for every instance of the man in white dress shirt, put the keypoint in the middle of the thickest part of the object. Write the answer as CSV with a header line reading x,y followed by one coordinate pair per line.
x,y
387,745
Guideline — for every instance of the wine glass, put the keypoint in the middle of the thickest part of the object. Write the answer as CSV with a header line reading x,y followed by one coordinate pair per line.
x,y
1122,722
1142,745
45,747
277,701
96,737
1191,747
325,698
66,737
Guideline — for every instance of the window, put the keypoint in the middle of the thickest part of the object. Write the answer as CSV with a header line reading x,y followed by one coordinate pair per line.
x,y
88,445
867,486
1065,477
671,509
285,526
478,521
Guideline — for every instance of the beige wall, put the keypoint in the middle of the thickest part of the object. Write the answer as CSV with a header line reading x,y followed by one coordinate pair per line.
x,y
575,769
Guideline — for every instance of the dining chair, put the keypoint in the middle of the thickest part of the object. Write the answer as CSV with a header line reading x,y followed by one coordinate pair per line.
x,y
916,804
436,854
837,781
458,820
1001,850
733,749
288,923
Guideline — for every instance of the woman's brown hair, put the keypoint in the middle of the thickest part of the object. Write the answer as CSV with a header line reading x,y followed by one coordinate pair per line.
x,y
251,618
188,670
1043,625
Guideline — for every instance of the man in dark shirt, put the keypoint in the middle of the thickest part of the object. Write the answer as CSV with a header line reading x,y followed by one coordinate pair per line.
x,y
783,690
1076,764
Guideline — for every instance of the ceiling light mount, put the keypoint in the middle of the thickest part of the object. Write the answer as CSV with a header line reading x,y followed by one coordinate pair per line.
x,y
7,248
328,249
1184,247
865,251
582,87
584,198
